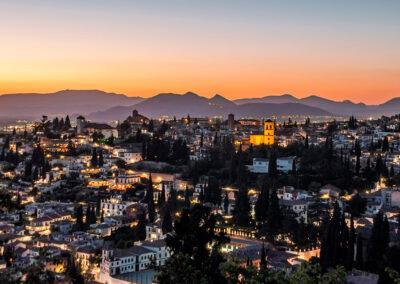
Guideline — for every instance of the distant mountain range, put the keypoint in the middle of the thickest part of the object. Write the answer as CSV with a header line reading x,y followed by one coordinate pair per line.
x,y
195,105
338,108
102,106
33,105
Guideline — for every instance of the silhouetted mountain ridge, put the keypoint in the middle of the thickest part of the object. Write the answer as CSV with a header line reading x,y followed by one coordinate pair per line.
x,y
104,106
61,103
344,108
168,104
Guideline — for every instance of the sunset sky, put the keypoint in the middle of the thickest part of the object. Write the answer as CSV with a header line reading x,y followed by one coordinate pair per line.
x,y
335,49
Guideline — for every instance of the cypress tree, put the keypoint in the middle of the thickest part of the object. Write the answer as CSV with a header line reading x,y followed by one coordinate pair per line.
x,y
42,173
272,165
98,207
151,211
379,165
357,151
93,214
61,124
28,169
55,124
172,203
138,136
144,150
79,217
71,148
215,140
391,171
166,225
307,122
149,189
88,216
261,206
385,144
263,258
207,193
306,143
359,253
274,214
378,242
3,154
201,139
242,208
150,126
101,158
67,124
149,200
94,161
187,198
358,166
38,158
201,195
385,232
18,201
47,166
357,148
232,169
35,174
102,216
161,200
226,203
73,271
6,145
294,170
213,191
368,172
242,171
140,230
350,256
334,243
352,123
344,241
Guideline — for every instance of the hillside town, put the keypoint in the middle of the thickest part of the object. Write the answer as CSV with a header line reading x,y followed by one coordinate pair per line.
x,y
200,200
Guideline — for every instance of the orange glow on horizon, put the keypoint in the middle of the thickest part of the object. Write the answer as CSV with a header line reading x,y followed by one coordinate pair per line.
x,y
333,49
370,88
248,77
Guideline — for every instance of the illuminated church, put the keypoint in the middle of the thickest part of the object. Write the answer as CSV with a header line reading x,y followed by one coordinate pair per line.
x,y
267,138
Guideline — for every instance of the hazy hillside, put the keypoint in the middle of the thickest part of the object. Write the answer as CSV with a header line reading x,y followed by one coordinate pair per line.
x,y
345,107
269,109
390,107
221,102
60,103
195,105
269,99
166,104
102,106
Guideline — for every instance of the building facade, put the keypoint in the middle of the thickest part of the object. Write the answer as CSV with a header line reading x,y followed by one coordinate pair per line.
x,y
268,136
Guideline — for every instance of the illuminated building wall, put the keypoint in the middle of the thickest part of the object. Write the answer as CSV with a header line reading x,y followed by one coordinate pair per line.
x,y
268,138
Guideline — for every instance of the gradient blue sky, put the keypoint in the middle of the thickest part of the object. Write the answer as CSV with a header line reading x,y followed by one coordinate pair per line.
x,y
336,49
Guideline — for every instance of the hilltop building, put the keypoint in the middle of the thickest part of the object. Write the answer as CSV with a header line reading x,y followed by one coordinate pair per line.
x,y
231,121
85,127
80,125
136,118
132,124
267,138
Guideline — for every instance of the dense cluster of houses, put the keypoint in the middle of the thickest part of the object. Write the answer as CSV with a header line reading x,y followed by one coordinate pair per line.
x,y
38,221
